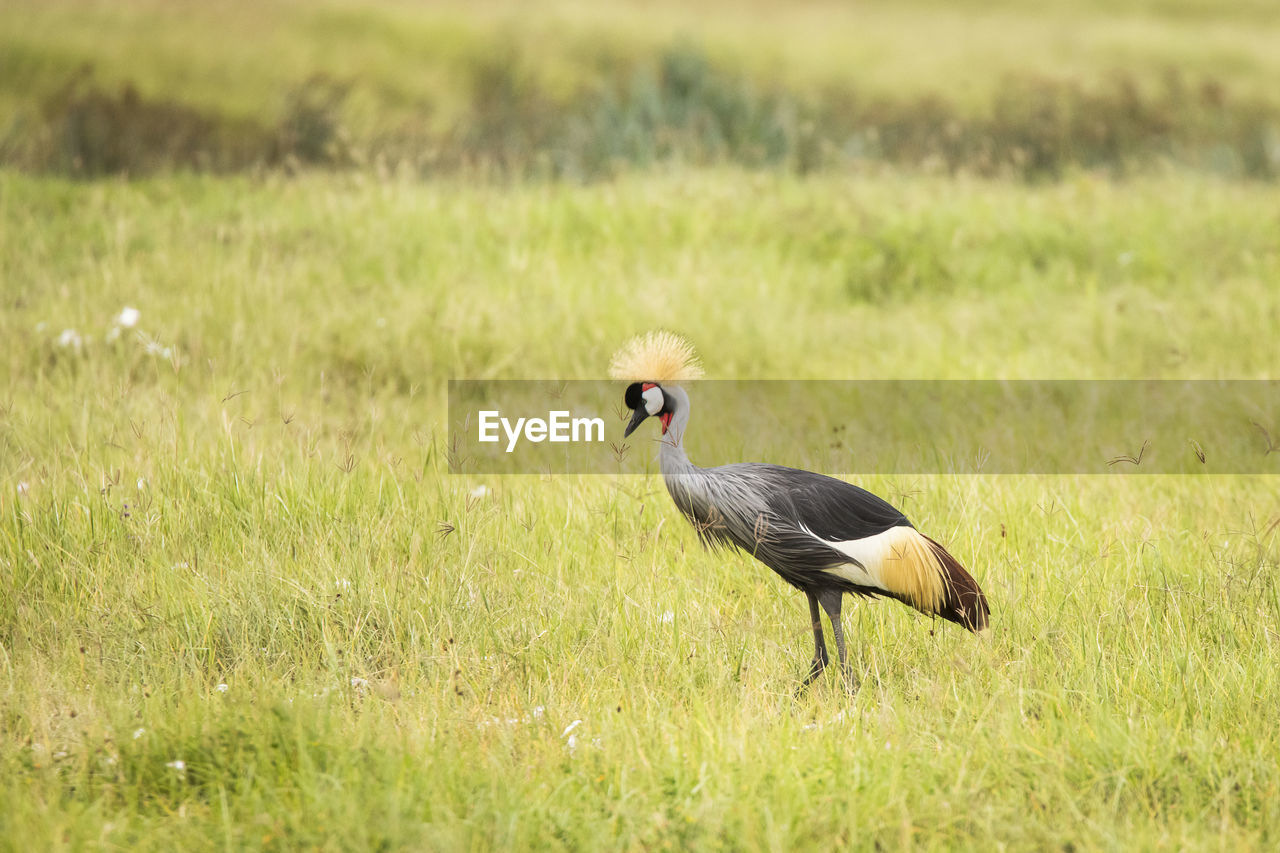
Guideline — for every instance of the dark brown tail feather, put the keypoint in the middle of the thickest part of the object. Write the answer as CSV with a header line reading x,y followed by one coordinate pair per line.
x,y
965,604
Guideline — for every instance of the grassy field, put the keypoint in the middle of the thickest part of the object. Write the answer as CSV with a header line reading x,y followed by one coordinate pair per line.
x,y
243,604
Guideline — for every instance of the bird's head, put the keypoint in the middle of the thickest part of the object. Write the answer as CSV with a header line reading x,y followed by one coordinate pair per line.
x,y
646,399
651,361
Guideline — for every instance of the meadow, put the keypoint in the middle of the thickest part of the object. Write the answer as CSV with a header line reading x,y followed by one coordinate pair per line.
x,y
245,605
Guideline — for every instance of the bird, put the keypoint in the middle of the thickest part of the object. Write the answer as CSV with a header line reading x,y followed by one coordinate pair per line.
x,y
823,536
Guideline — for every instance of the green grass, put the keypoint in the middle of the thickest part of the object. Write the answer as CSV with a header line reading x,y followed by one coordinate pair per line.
x,y
269,508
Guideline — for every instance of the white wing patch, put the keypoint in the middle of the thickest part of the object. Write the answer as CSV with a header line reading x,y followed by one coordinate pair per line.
x,y
855,575
897,561
867,554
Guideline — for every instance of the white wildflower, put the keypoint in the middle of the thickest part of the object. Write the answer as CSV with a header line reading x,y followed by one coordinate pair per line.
x,y
177,764
128,317
667,617
71,339
342,584
23,488
480,491
360,684
142,483
137,733
539,711
222,688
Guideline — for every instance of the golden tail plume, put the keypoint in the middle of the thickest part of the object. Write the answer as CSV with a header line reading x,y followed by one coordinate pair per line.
x,y
918,571
964,602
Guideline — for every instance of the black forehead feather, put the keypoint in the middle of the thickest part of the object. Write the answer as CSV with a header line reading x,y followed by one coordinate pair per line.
x,y
634,398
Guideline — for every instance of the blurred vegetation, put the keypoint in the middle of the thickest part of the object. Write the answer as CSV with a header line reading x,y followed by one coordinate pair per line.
x,y
133,90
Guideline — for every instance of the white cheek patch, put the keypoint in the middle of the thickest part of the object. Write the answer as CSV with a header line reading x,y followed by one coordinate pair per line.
x,y
653,400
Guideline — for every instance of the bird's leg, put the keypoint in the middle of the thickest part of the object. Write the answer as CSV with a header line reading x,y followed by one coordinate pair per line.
x,y
831,601
819,644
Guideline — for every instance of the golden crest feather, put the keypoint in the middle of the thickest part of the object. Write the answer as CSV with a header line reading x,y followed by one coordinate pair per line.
x,y
656,357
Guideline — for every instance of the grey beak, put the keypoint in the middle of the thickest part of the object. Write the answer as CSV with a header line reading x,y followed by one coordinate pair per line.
x,y
637,418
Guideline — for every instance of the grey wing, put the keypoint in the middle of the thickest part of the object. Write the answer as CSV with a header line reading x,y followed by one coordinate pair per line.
x,y
782,515
833,509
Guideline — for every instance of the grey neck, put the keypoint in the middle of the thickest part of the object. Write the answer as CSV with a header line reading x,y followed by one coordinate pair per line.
x,y
671,456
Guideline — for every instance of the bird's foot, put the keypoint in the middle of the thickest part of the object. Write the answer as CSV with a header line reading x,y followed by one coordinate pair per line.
x,y
816,666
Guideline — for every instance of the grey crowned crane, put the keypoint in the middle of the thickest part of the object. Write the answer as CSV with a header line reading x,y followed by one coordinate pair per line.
x,y
824,536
